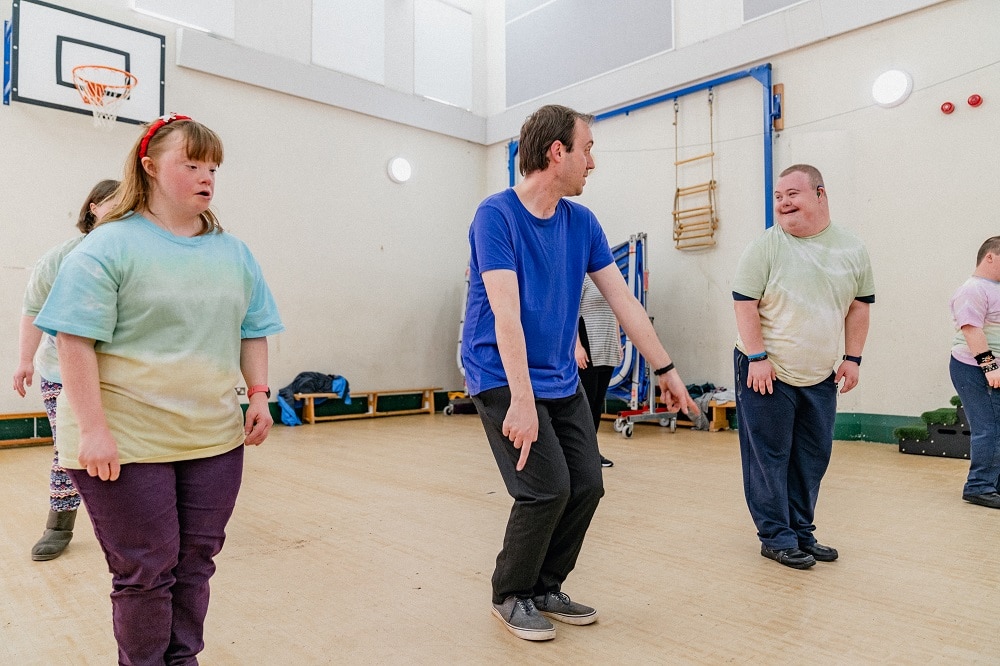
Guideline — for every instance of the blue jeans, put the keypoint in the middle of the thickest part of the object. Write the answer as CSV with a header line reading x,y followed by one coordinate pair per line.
x,y
555,495
982,406
786,439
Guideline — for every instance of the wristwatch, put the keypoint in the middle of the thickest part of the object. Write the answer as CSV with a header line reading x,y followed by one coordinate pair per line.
x,y
258,388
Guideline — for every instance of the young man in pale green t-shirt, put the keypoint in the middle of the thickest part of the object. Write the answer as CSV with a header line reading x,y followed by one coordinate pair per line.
x,y
796,289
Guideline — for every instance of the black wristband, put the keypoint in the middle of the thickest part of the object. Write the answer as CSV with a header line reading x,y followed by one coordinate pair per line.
x,y
985,357
757,357
856,359
989,368
664,370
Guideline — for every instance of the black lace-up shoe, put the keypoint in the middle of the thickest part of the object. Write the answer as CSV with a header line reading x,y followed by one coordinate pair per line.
x,y
992,500
790,557
820,552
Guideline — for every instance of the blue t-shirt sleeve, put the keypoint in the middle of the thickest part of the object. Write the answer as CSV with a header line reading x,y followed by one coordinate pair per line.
x,y
600,250
492,240
84,298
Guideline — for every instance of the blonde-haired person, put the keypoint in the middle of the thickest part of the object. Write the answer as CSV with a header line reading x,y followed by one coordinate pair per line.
x,y
152,350
37,349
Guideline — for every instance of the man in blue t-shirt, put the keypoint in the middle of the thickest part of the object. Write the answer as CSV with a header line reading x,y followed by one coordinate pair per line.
x,y
530,251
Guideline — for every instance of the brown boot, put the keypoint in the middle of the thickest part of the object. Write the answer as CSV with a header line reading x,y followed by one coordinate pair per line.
x,y
58,532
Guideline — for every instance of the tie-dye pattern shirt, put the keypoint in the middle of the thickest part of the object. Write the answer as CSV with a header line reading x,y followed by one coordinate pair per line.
x,y
168,314
976,303
39,285
805,287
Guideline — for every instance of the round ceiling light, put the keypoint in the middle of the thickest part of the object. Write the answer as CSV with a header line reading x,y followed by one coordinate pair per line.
x,y
399,170
892,88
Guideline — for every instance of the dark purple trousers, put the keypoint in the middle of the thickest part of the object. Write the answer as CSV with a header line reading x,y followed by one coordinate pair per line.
x,y
160,526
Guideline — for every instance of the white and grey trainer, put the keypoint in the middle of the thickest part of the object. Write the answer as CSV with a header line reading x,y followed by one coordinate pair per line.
x,y
523,620
559,606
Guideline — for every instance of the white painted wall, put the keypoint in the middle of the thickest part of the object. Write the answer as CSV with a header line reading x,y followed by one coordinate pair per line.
x,y
369,274
917,185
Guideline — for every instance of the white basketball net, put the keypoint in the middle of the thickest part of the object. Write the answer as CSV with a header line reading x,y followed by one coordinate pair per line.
x,y
105,89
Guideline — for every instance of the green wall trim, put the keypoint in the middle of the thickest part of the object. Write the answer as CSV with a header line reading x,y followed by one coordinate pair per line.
x,y
271,407
849,425
24,428
871,427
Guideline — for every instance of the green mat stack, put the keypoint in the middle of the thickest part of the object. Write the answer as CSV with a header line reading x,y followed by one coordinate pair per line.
x,y
946,433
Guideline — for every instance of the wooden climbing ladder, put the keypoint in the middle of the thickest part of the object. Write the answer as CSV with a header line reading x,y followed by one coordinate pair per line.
x,y
695,217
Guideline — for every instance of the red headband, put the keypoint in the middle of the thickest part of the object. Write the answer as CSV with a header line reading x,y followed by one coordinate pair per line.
x,y
155,127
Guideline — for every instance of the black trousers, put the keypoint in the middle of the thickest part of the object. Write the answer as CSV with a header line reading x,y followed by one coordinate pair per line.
x,y
595,380
555,495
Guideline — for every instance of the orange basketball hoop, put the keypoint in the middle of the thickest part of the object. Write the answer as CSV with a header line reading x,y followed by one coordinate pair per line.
x,y
105,89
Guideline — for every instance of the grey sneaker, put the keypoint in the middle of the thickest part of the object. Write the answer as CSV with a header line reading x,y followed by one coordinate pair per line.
x,y
522,619
558,606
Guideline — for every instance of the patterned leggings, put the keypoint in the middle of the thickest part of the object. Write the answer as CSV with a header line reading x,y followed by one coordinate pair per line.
x,y
62,492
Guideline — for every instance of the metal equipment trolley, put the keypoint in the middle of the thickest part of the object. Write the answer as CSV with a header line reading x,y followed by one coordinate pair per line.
x,y
629,417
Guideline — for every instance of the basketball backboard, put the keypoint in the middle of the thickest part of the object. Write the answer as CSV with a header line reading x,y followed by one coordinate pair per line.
x,y
49,41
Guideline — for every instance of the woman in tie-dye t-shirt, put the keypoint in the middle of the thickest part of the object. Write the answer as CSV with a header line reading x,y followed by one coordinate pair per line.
x,y
159,314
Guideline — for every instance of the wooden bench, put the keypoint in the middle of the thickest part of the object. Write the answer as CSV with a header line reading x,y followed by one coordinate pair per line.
x,y
309,404
718,420
35,439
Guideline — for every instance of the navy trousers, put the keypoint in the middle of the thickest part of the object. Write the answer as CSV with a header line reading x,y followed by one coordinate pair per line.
x,y
786,438
982,406
555,495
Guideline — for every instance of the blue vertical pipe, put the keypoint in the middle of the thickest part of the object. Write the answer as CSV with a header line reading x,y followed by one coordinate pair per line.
x,y
772,110
511,154
7,36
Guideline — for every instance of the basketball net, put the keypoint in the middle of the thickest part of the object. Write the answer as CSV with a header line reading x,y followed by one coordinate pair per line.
x,y
105,89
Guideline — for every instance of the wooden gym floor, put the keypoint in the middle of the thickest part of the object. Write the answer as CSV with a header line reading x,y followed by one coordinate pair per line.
x,y
372,542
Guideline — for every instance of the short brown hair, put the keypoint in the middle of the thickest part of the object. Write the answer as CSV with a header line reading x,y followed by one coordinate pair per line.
x,y
98,195
543,128
811,172
989,245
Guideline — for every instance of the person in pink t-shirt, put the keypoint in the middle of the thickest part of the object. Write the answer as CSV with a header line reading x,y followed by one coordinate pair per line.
x,y
975,371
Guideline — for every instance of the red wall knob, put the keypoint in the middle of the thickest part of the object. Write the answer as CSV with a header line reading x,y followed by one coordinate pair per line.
x,y
975,100
947,107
